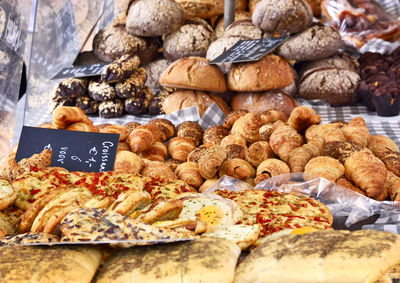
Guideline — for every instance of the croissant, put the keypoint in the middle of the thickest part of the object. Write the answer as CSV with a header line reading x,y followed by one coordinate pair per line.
x,y
123,146
143,136
115,129
301,155
392,161
342,181
159,170
189,173
156,152
63,116
270,116
356,131
367,172
214,135
167,129
237,168
195,154
393,183
248,126
258,152
190,130
180,147
173,164
380,144
82,127
211,160
236,151
330,132
325,167
266,131
47,126
342,150
128,162
233,139
270,168
207,184
130,126
284,139
385,193
303,117
232,117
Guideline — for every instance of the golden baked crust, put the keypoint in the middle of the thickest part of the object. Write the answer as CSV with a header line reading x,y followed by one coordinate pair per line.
x,y
193,73
271,72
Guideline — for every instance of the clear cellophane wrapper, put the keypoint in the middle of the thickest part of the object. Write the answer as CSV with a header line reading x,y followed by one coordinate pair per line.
x,y
347,207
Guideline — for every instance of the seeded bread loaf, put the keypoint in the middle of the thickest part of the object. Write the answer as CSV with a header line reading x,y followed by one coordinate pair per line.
x,y
207,8
219,23
191,39
271,72
314,43
154,71
193,73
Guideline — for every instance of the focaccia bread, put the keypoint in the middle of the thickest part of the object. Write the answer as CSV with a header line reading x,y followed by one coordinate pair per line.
x,y
48,264
333,256
205,260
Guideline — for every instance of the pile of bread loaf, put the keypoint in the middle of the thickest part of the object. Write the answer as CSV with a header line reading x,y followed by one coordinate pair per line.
x,y
253,147
308,64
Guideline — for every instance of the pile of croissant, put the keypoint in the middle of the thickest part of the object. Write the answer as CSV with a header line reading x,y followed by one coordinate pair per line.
x,y
253,147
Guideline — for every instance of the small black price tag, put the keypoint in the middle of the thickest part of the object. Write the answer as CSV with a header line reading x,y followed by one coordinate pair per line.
x,y
249,50
81,71
72,150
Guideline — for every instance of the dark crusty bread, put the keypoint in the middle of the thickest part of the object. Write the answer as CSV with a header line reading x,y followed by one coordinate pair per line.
x,y
112,42
245,28
333,79
219,23
258,102
154,17
154,71
283,16
48,264
271,72
323,256
193,73
191,39
315,42
210,260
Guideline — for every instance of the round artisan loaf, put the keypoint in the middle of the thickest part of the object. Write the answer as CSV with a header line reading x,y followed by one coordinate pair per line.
x,y
191,39
333,79
271,72
193,73
243,27
283,16
154,17
181,99
219,23
207,8
315,42
154,71
259,102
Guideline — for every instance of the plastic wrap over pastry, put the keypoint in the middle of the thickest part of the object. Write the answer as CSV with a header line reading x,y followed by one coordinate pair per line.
x,y
360,21
347,207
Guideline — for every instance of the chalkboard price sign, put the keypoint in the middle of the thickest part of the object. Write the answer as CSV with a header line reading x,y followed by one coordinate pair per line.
x,y
75,151
81,71
249,50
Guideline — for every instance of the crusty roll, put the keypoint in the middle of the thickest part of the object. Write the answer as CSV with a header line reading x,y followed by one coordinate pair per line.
x,y
214,135
236,151
248,127
211,160
271,72
325,167
258,152
259,102
63,116
191,130
115,129
166,127
193,73
233,139
156,152
142,137
266,131
231,118
180,147
195,154
128,162
237,168
189,173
